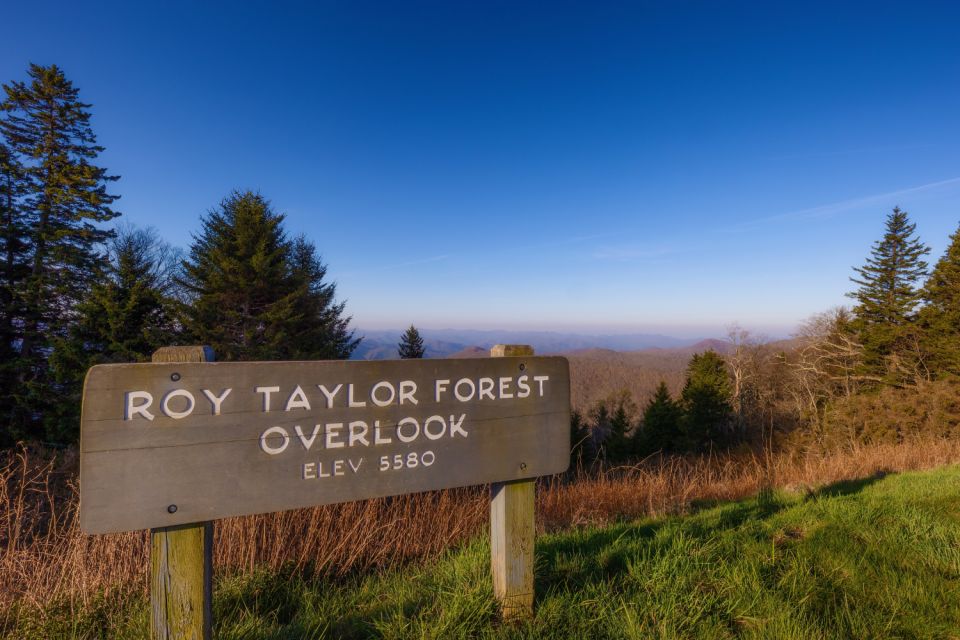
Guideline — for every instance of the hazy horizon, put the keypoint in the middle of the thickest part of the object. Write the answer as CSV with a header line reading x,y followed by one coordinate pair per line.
x,y
683,332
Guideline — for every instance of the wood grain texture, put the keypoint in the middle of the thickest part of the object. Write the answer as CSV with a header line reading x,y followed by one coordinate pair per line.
x,y
512,531
183,354
181,582
512,527
181,558
215,465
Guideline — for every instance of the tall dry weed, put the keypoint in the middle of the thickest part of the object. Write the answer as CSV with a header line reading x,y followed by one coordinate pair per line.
x,y
44,556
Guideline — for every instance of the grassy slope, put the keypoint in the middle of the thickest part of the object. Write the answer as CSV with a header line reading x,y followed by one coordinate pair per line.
x,y
878,558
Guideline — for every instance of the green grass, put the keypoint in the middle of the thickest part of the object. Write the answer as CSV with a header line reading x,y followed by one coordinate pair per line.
x,y
877,558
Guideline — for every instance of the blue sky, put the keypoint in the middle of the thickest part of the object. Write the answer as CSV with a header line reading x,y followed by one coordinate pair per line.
x,y
662,166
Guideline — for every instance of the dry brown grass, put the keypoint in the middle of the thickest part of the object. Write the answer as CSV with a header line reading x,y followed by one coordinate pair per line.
x,y
44,556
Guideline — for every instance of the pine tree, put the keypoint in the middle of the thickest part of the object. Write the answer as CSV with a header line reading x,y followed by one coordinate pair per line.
x,y
320,328
705,399
48,129
612,426
126,317
14,267
411,344
619,442
661,423
14,255
253,294
940,316
888,296
599,429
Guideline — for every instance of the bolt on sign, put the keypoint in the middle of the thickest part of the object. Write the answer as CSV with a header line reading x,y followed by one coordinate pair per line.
x,y
164,444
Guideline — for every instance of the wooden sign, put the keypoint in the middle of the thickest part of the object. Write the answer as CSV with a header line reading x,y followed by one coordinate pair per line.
x,y
164,444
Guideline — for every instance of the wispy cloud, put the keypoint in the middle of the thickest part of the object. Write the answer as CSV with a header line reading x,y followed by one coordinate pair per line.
x,y
841,206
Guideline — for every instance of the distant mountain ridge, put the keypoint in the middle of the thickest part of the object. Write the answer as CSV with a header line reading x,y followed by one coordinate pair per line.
x,y
443,343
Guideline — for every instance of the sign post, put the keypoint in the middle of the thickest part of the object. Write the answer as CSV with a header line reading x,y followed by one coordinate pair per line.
x,y
512,531
181,557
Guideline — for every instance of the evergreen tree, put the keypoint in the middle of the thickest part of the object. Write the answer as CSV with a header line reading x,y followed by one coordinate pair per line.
x,y
253,294
612,427
619,443
940,316
14,267
48,129
888,295
599,429
14,255
411,344
705,399
661,423
126,317
321,329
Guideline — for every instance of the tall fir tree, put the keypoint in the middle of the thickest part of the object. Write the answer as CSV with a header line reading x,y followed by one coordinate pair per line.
x,y
253,294
14,267
411,344
612,426
887,297
320,327
64,201
660,430
14,254
620,441
940,315
599,429
125,318
707,412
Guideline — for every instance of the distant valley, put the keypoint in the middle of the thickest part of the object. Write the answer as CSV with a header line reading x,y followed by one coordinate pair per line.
x,y
445,343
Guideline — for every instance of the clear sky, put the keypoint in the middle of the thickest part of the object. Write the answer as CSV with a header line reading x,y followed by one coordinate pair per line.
x,y
661,166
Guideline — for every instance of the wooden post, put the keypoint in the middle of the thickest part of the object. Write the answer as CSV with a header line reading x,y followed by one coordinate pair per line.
x,y
181,557
512,527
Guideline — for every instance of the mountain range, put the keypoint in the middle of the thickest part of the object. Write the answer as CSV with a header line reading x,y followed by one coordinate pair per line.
x,y
444,343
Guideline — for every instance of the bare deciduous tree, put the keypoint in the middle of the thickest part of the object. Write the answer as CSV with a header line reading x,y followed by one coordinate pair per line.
x,y
827,362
